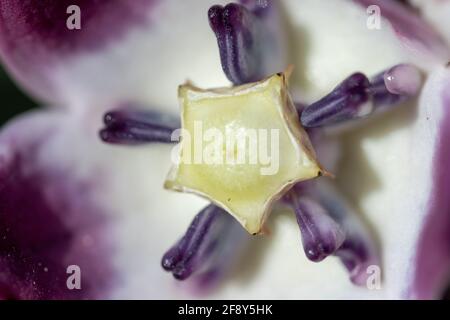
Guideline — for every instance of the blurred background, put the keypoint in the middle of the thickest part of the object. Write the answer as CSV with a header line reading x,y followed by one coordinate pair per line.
x,y
13,101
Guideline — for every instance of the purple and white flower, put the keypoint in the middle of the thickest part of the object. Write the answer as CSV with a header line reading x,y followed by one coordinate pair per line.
x,y
67,198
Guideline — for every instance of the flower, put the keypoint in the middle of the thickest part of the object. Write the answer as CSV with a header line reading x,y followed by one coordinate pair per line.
x,y
68,199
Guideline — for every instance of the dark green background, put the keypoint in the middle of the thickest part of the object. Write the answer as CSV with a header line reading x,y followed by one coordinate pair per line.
x,y
13,100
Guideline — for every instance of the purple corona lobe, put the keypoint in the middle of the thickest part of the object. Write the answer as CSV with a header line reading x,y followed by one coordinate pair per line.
x,y
329,226
358,97
125,126
358,250
345,102
208,248
248,36
321,235
236,30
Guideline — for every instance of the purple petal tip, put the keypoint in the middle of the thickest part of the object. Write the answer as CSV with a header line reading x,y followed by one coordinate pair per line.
x,y
131,127
345,102
357,96
321,235
248,37
207,249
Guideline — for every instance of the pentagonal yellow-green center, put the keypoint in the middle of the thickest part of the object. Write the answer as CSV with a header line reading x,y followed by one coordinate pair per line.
x,y
241,148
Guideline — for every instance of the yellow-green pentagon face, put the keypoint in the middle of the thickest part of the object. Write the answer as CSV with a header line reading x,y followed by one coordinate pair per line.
x,y
242,148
